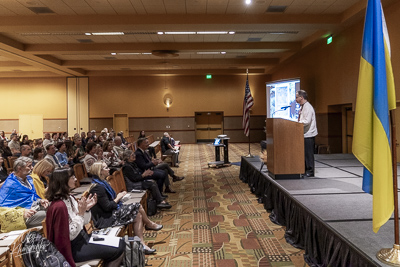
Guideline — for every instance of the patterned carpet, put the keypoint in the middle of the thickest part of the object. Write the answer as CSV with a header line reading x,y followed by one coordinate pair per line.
x,y
215,220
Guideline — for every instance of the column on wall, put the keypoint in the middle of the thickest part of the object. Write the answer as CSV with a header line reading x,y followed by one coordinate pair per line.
x,y
78,104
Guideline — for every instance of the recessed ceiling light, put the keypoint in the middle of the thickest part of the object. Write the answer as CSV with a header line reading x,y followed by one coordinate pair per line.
x,y
231,32
160,33
114,54
248,2
107,33
88,33
223,53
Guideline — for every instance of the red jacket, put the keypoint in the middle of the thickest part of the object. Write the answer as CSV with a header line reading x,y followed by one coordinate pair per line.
x,y
57,225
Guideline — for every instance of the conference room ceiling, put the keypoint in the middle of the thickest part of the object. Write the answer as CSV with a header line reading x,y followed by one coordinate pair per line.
x,y
44,38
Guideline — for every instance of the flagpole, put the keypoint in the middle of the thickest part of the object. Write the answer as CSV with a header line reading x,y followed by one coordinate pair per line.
x,y
391,256
249,155
394,164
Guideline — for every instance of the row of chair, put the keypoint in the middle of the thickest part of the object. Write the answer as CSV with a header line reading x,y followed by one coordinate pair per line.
x,y
9,163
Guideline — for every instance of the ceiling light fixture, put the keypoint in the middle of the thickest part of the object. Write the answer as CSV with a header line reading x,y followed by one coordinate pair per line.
x,y
180,32
248,2
114,54
212,32
88,33
107,33
210,53
202,32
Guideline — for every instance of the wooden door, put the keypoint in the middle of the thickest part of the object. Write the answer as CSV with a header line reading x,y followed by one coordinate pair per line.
x,y
121,123
32,125
215,123
201,126
208,125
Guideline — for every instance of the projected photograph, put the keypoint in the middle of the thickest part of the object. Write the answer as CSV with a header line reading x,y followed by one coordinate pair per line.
x,y
281,99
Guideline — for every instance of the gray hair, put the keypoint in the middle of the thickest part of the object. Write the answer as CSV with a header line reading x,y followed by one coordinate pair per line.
x,y
21,162
127,154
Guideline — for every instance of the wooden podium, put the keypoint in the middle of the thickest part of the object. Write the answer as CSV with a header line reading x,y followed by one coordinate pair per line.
x,y
285,148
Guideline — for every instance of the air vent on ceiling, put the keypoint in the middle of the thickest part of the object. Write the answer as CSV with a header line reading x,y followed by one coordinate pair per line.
x,y
85,41
253,39
276,9
109,58
41,10
165,53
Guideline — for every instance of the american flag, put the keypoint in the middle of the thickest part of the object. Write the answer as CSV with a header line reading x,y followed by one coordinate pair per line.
x,y
247,104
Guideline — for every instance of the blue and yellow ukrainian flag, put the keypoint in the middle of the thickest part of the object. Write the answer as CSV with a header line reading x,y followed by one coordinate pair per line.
x,y
375,97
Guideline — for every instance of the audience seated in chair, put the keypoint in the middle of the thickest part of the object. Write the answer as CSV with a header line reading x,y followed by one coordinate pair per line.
x,y
109,206
91,156
62,156
79,151
51,155
168,149
65,221
47,140
144,162
40,175
14,145
26,151
38,155
5,150
3,171
19,191
136,179
152,150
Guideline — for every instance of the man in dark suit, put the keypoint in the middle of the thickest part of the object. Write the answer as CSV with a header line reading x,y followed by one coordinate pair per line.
x,y
144,162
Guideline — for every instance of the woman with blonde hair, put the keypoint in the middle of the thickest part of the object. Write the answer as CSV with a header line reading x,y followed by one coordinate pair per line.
x,y
109,211
40,174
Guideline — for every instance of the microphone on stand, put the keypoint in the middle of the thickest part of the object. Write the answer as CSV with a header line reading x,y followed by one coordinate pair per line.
x,y
285,107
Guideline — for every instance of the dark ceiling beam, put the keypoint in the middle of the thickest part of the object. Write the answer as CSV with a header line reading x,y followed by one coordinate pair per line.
x,y
148,47
163,61
239,71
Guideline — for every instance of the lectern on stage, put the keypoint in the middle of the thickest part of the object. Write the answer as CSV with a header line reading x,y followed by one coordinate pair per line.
x,y
285,148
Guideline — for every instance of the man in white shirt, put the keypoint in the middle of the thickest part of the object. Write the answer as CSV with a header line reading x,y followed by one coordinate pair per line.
x,y
47,140
307,117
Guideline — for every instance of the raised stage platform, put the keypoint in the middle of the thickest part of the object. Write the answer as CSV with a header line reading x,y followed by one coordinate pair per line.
x,y
329,215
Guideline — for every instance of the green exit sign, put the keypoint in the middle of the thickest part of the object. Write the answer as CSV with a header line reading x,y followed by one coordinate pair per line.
x,y
209,76
329,40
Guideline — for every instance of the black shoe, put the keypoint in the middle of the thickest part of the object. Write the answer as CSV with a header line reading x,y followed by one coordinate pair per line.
x,y
163,195
165,205
309,174
169,190
158,227
177,178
